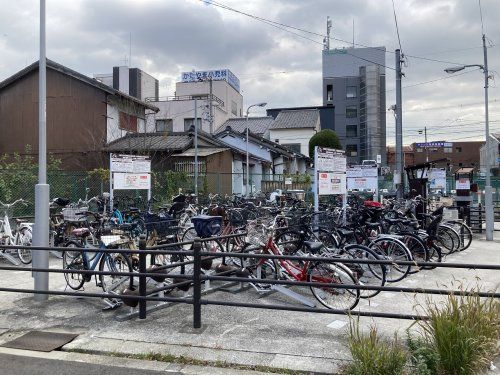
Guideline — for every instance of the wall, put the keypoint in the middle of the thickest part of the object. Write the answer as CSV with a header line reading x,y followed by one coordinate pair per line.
x,y
286,136
114,107
346,62
76,119
237,176
468,157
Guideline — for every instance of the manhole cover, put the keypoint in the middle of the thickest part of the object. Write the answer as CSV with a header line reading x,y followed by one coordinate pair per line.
x,y
41,341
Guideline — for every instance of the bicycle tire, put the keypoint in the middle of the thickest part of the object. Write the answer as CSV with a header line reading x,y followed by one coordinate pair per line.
x,y
418,249
73,260
370,274
464,232
392,249
333,298
115,262
25,239
446,239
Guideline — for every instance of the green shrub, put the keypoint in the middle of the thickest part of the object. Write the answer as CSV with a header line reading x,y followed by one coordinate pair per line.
x,y
464,331
423,356
373,355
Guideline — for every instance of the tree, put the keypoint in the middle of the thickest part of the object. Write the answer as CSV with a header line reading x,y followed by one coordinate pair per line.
x,y
324,138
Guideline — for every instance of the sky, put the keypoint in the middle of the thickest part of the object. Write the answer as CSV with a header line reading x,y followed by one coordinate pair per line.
x,y
275,65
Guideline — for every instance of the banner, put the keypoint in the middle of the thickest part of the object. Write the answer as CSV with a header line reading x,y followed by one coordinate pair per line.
x,y
132,181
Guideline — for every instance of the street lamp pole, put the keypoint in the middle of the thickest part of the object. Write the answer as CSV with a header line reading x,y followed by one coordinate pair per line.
x,y
247,192
488,196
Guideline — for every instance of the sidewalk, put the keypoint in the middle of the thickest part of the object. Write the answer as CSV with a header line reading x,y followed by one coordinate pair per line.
x,y
243,337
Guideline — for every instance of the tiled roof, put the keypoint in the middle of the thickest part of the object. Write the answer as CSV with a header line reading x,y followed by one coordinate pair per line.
x,y
151,142
301,118
256,125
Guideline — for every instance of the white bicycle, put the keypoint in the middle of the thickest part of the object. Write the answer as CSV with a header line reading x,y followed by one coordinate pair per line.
x,y
22,235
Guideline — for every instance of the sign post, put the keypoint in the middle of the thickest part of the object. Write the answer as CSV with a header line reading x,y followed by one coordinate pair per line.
x,y
129,172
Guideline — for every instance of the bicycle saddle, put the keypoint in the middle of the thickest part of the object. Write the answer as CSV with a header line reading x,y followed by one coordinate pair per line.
x,y
80,232
344,232
313,247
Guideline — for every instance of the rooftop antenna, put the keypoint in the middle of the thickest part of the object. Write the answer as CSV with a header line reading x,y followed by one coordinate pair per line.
x,y
130,51
326,40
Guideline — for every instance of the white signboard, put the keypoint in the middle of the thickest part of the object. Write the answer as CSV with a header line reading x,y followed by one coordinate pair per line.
x,y
463,184
331,183
437,178
330,160
132,181
130,163
288,181
362,177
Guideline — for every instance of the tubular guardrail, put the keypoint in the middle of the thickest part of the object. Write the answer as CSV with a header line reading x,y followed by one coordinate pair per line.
x,y
198,278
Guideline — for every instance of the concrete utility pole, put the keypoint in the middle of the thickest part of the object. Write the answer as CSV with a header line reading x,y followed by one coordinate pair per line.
x,y
399,127
210,107
488,191
41,227
196,148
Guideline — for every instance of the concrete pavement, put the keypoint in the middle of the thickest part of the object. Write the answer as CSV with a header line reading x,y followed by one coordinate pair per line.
x,y
240,336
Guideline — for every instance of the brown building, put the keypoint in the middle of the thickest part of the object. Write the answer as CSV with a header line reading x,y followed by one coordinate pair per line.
x,y
82,116
391,156
460,154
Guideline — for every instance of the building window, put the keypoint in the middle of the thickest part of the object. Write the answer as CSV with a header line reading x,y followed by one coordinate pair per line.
x,y
434,149
458,149
234,108
329,93
164,125
351,131
351,111
419,149
276,140
128,122
448,150
294,147
351,92
351,150
188,122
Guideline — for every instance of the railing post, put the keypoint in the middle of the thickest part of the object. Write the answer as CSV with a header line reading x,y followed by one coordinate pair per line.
x,y
142,278
197,284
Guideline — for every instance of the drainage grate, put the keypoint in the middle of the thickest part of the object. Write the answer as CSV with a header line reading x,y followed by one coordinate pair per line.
x,y
41,341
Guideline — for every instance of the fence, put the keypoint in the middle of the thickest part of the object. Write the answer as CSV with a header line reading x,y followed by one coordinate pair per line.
x,y
139,296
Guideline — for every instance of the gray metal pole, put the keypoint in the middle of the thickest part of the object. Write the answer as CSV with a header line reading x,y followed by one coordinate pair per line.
x,y
248,163
399,126
196,147
488,191
41,227
210,108
426,146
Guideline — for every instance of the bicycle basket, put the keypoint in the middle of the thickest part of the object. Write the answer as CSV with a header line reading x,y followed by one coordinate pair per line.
x,y
74,214
161,223
207,226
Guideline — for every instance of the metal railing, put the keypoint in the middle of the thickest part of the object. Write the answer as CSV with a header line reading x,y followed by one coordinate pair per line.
x,y
198,278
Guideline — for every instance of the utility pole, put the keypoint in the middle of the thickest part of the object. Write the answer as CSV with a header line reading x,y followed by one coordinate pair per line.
x,y
210,107
488,191
426,145
399,127
196,148
41,227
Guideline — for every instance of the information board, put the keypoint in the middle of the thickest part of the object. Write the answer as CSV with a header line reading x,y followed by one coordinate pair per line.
x,y
130,163
362,177
331,183
437,178
132,181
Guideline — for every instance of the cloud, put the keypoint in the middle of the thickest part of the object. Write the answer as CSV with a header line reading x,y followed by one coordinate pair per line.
x,y
168,37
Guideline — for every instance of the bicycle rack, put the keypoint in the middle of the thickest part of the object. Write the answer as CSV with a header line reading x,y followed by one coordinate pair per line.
x,y
9,258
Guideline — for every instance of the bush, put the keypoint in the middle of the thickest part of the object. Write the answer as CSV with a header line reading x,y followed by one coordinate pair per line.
x,y
423,356
324,138
373,355
464,332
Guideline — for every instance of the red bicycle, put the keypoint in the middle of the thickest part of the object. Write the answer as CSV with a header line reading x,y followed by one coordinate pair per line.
x,y
260,240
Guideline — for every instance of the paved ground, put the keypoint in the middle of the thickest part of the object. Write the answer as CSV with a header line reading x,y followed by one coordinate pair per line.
x,y
280,339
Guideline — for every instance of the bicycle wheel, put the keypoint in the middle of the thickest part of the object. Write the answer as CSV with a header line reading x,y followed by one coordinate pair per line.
x,y
115,262
323,235
332,273
446,239
392,249
366,274
73,260
289,241
24,239
464,232
259,269
435,255
418,249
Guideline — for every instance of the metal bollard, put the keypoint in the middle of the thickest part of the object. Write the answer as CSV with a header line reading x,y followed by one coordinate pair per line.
x,y
142,278
197,284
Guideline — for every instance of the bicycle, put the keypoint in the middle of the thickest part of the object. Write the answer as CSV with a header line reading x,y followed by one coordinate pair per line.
x,y
22,235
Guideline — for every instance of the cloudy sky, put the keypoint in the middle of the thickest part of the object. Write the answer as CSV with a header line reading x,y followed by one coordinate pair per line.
x,y
275,65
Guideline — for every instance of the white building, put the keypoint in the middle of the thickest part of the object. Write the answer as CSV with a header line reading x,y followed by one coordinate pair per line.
x,y
294,128
217,96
